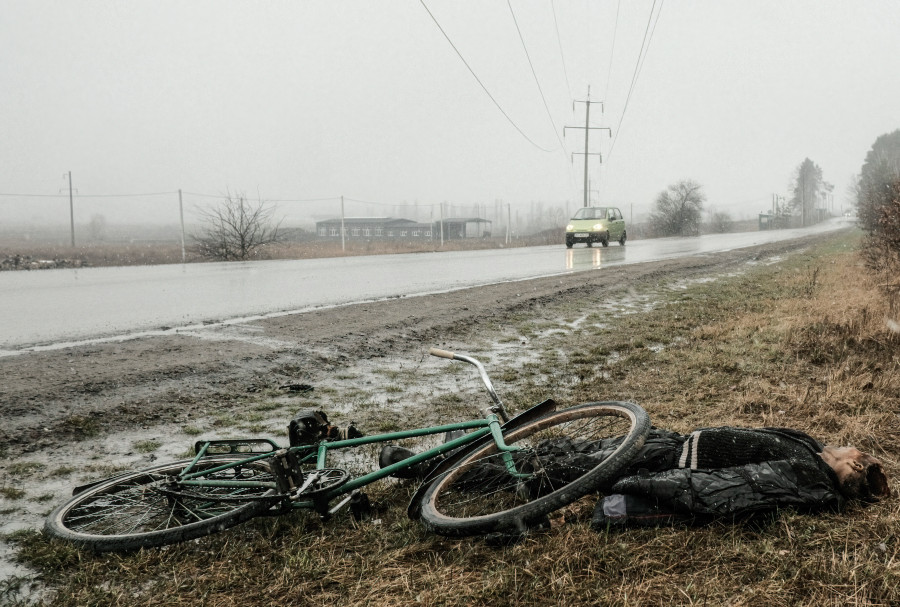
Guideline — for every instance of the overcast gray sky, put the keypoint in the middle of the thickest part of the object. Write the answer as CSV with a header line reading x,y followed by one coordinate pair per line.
x,y
367,99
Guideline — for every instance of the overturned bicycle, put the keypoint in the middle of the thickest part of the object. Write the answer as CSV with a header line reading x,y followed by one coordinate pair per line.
x,y
494,474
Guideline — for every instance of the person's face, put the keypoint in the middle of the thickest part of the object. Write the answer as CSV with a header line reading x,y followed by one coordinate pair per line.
x,y
859,474
845,461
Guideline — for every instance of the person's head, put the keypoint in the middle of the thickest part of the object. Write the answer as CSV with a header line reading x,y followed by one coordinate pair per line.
x,y
860,475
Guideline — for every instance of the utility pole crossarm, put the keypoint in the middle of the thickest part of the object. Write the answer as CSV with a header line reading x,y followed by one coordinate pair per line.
x,y
593,128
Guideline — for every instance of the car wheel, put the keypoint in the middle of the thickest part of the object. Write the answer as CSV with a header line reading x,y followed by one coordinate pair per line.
x,y
605,241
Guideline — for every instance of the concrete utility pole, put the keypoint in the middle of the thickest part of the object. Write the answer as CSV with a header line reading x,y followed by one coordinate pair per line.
x,y
342,223
587,129
508,222
71,210
181,214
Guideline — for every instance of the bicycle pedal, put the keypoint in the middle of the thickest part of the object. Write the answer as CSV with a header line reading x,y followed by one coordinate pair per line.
x,y
360,507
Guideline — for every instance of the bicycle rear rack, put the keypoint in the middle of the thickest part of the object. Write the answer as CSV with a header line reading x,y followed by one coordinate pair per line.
x,y
240,446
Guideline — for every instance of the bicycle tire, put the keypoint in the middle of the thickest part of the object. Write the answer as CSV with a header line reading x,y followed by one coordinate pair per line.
x,y
126,513
478,496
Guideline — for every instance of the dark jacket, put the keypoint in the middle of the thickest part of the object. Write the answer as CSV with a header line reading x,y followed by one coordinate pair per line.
x,y
717,473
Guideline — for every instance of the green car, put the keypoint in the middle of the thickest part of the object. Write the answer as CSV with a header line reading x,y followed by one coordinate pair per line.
x,y
596,224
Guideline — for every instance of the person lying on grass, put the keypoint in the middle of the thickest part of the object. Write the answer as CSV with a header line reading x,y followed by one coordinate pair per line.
x,y
712,473
734,473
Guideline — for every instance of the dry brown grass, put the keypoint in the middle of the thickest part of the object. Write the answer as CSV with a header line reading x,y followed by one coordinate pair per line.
x,y
98,254
803,343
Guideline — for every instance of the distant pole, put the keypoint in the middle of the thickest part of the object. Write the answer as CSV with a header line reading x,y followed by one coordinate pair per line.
x,y
803,206
342,223
508,221
181,214
442,225
71,210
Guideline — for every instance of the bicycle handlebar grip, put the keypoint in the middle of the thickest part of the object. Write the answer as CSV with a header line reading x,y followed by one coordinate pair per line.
x,y
441,353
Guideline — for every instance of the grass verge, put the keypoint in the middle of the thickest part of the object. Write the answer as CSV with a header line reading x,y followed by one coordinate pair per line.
x,y
804,342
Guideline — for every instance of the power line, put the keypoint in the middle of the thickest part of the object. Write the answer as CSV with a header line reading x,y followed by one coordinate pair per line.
x,y
127,195
394,204
302,199
225,197
536,81
90,195
612,50
645,44
38,195
480,83
652,31
559,42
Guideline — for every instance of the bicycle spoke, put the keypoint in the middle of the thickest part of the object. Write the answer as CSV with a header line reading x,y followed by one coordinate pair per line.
x,y
143,505
556,450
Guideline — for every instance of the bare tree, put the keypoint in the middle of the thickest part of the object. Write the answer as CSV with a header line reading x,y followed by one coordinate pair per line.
x,y
808,187
878,189
97,227
678,210
236,229
878,207
720,222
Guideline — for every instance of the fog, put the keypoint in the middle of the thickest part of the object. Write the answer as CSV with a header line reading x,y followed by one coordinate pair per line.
x,y
402,106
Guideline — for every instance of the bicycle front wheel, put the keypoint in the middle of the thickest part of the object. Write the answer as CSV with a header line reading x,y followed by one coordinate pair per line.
x,y
561,457
149,508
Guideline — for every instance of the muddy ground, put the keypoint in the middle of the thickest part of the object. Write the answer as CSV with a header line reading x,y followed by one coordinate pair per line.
x,y
51,398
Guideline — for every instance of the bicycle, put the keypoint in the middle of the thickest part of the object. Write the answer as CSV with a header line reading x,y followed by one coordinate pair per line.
x,y
491,475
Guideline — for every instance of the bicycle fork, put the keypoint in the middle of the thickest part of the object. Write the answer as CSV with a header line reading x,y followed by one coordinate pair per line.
x,y
506,450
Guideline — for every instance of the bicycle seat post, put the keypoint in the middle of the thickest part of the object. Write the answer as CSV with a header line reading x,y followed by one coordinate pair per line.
x,y
498,407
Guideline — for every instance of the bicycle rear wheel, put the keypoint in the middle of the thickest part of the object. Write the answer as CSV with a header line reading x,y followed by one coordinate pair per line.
x,y
148,508
562,457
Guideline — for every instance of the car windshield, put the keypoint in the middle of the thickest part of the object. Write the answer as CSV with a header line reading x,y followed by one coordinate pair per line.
x,y
590,213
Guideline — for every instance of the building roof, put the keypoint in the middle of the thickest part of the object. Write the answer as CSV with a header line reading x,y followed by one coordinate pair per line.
x,y
369,221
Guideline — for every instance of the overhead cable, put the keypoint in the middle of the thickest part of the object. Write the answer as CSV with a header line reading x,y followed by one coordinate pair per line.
x,y
480,83
559,42
394,204
75,195
612,50
642,54
225,196
536,81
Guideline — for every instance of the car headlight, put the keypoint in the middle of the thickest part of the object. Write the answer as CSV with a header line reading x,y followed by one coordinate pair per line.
x,y
598,227
570,228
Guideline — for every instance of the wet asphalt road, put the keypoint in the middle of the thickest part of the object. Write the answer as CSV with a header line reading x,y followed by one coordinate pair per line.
x,y
48,308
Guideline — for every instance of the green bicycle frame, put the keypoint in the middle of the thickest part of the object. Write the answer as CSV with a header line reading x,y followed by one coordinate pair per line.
x,y
489,425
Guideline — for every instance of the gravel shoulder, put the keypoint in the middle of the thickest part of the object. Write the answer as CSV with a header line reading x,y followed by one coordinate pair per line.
x,y
51,398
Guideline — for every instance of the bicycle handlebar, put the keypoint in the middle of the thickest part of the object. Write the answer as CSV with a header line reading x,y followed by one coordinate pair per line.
x,y
484,377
